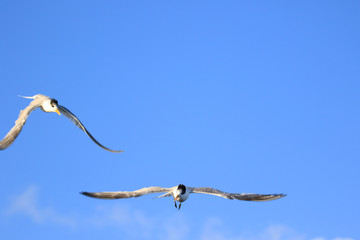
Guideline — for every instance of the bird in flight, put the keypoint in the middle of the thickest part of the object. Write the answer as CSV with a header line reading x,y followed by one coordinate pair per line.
x,y
46,104
180,193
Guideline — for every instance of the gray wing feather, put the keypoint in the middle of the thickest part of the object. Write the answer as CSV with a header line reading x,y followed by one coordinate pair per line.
x,y
19,124
66,112
168,194
117,195
237,196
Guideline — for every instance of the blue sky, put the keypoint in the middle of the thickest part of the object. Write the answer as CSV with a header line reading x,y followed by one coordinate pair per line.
x,y
241,96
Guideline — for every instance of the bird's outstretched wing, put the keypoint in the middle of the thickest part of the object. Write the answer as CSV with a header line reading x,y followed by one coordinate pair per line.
x,y
19,124
117,195
66,112
237,196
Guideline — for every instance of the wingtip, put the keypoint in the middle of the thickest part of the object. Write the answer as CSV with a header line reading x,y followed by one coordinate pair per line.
x,y
86,194
118,151
281,195
110,150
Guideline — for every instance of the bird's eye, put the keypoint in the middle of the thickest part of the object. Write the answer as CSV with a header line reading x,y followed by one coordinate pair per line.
x,y
53,102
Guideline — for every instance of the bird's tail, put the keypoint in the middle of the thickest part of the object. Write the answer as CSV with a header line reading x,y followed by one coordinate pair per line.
x,y
33,97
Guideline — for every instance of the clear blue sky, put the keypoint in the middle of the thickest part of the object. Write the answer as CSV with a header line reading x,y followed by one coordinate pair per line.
x,y
242,96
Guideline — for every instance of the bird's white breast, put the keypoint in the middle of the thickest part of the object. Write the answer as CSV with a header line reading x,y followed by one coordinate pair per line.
x,y
184,196
46,106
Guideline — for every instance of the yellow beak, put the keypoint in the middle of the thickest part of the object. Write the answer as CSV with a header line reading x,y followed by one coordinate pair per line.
x,y
57,111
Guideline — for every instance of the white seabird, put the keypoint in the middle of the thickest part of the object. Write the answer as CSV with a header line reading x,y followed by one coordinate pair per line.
x,y
180,193
47,104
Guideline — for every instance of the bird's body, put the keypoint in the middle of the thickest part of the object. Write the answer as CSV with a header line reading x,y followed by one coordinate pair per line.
x,y
180,193
46,104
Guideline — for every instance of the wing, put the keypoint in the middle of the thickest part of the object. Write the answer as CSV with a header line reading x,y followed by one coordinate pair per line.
x,y
168,194
19,124
237,196
117,195
66,112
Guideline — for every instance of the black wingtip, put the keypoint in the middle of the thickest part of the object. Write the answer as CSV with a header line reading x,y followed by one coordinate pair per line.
x,y
280,195
86,194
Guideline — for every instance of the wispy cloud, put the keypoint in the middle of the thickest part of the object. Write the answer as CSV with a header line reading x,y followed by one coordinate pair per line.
x,y
321,238
215,229
175,228
27,204
344,239
133,222
138,225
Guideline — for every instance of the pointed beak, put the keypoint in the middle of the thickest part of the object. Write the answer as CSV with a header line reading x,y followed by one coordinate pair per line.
x,y
176,197
57,111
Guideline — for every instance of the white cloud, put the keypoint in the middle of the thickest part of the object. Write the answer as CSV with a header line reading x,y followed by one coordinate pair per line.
x,y
133,222
26,204
321,238
175,228
344,239
280,232
137,225
215,229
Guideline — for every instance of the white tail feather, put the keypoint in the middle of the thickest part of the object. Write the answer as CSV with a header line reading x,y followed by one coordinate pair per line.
x,y
33,97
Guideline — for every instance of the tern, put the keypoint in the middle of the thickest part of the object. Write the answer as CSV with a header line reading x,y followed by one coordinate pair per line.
x,y
180,193
46,104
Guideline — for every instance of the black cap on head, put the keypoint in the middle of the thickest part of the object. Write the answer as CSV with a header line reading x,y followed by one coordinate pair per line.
x,y
182,188
53,102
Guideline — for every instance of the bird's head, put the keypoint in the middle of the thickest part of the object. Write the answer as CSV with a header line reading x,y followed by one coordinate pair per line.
x,y
50,105
181,189
47,104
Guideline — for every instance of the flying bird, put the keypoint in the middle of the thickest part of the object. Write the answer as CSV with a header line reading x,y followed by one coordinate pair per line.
x,y
180,193
46,104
